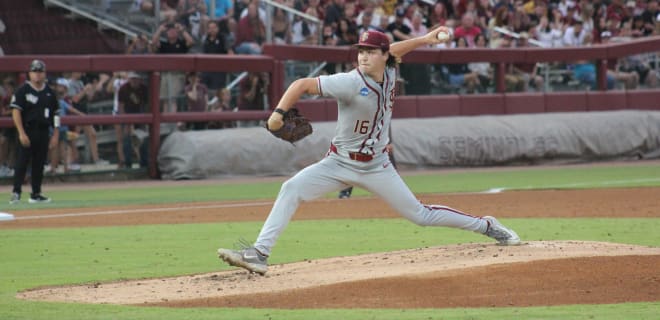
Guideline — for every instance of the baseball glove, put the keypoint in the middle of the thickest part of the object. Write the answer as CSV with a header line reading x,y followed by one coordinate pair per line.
x,y
295,127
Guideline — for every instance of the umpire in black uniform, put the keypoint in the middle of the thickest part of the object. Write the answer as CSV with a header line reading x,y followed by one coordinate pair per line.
x,y
35,111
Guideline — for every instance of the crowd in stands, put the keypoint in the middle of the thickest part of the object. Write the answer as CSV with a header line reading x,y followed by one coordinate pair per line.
x,y
238,26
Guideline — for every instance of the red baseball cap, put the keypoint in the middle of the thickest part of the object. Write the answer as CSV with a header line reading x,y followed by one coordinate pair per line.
x,y
374,39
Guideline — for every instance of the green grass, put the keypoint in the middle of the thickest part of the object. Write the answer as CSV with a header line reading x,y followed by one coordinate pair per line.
x,y
32,258
42,257
448,181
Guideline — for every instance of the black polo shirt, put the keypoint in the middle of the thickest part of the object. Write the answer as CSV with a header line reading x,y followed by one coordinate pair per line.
x,y
216,45
37,107
178,47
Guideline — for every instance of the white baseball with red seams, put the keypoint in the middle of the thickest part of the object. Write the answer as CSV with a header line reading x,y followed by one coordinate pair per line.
x,y
445,36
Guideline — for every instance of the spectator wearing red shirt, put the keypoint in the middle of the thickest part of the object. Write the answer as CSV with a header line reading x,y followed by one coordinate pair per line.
x,y
251,32
618,11
467,29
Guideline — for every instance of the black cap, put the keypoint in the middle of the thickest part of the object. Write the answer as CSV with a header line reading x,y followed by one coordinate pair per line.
x,y
37,66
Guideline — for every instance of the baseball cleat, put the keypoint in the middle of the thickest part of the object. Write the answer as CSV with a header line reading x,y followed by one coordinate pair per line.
x,y
503,235
15,198
38,198
248,258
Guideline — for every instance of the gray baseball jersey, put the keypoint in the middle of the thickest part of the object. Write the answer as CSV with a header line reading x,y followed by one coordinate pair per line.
x,y
365,112
365,109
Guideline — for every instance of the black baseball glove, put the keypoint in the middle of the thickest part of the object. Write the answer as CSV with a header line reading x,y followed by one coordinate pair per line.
x,y
295,126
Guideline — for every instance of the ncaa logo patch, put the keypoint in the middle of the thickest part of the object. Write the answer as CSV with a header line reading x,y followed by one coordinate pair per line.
x,y
364,92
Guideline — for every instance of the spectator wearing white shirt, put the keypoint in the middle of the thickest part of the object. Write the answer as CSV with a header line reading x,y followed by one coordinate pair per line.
x,y
548,34
417,25
574,35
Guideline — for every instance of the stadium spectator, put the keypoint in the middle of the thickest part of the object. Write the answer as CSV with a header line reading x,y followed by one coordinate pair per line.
x,y
548,34
350,12
586,16
262,12
239,8
196,97
133,98
222,9
527,71
167,8
651,17
304,31
574,35
630,79
178,41
399,30
618,11
418,27
365,22
281,27
215,42
251,32
460,74
637,27
478,12
346,32
513,82
8,137
572,15
192,15
467,30
118,79
483,70
66,151
585,71
520,20
314,4
334,11
139,45
81,94
373,19
439,16
222,103
253,90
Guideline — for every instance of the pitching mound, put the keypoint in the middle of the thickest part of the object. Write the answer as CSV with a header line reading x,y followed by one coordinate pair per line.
x,y
465,275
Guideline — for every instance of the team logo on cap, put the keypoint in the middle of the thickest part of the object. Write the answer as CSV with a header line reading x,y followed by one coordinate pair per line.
x,y
365,36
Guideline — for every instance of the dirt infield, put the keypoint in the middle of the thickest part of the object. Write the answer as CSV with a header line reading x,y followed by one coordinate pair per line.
x,y
465,275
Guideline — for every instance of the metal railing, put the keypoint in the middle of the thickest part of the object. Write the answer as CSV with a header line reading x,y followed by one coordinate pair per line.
x,y
91,12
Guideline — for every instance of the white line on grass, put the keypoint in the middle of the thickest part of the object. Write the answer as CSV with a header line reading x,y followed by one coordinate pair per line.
x,y
573,185
127,211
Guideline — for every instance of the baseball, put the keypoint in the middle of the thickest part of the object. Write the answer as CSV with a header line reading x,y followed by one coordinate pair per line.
x,y
444,36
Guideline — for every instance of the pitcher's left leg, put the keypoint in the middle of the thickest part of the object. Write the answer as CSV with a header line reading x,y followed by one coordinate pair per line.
x,y
387,184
